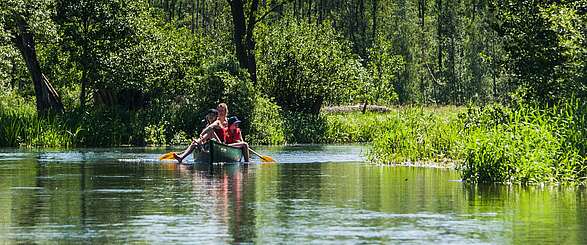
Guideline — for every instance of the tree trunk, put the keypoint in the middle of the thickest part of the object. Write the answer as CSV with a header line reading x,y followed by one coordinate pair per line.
x,y
46,96
364,106
440,19
243,36
423,58
238,21
83,93
193,17
309,11
320,12
197,11
85,69
204,20
374,10
252,61
439,33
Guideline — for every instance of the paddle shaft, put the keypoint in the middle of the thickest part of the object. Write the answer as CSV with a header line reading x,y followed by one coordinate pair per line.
x,y
263,158
254,152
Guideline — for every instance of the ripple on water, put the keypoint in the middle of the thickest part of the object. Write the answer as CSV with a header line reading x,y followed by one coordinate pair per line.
x,y
118,191
14,156
26,188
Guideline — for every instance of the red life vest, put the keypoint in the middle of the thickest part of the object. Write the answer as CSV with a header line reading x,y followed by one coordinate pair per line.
x,y
221,132
232,137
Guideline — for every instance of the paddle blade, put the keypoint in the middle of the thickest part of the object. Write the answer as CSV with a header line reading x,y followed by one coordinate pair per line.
x,y
267,159
167,156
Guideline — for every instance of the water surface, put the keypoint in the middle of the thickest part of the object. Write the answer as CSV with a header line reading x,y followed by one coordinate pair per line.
x,y
316,194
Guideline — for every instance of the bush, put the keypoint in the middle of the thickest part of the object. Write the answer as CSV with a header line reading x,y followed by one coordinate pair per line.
x,y
267,125
354,127
20,125
303,66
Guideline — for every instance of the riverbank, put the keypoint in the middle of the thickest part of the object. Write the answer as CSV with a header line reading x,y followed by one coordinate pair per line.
x,y
525,144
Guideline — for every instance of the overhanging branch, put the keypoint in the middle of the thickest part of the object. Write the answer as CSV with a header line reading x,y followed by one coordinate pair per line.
x,y
271,10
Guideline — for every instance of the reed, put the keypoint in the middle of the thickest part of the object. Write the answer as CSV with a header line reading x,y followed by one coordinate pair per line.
x,y
532,144
521,144
417,134
21,127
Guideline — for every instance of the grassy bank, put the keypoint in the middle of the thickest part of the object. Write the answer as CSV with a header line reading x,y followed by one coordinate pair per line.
x,y
416,134
21,127
525,144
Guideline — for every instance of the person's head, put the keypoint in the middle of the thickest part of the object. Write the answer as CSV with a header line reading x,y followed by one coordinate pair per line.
x,y
212,115
222,110
233,122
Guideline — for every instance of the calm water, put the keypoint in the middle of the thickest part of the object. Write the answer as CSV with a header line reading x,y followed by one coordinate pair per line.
x,y
316,194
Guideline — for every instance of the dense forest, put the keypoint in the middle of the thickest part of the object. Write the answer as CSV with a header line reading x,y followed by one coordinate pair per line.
x,y
112,72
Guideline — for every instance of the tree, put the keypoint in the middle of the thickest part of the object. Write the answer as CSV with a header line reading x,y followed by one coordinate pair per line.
x,y
243,32
94,30
545,45
244,41
307,65
22,18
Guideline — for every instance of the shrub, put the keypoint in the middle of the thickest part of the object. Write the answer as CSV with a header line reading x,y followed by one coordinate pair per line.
x,y
20,125
303,66
266,123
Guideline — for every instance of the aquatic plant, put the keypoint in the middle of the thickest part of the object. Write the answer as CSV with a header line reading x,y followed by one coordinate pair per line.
x,y
418,134
532,144
521,144
20,125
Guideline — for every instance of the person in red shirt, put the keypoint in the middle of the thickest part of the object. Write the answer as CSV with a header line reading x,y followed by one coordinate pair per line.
x,y
234,137
215,129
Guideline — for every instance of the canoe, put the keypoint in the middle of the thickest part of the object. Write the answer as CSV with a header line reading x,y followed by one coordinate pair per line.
x,y
214,152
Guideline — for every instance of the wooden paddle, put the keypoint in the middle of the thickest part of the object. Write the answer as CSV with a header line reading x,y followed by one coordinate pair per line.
x,y
167,156
265,159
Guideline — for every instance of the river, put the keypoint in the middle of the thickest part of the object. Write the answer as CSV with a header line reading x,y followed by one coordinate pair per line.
x,y
315,194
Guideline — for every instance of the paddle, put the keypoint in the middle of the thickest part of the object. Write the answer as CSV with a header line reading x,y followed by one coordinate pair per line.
x,y
167,156
265,159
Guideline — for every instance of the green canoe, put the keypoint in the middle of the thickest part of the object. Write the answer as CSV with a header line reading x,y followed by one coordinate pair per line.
x,y
214,152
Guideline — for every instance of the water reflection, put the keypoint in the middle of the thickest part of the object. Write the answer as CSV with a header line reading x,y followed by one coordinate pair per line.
x,y
232,188
92,196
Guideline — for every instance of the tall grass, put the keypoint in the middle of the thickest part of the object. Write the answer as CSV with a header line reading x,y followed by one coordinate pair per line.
x,y
20,126
531,144
522,144
414,134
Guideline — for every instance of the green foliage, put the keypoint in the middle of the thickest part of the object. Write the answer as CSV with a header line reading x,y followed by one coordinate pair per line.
x,y
523,144
20,125
236,90
353,127
275,126
303,66
37,14
151,71
155,135
383,67
304,127
531,145
416,134
545,43
266,123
